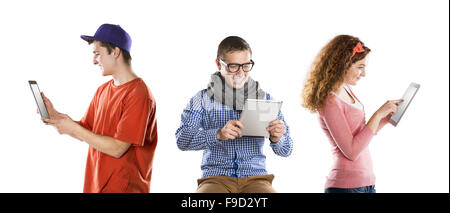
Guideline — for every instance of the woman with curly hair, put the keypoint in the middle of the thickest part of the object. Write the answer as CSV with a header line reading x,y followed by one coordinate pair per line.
x,y
341,63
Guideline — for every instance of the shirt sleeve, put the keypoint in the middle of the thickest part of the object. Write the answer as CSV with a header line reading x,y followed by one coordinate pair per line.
x,y
137,108
191,134
285,145
88,119
337,124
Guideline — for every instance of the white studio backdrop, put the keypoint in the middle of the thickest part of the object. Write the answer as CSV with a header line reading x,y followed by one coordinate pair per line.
x,y
174,48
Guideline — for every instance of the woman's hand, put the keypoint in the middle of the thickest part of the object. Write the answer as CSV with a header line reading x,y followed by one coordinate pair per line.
x,y
388,108
383,114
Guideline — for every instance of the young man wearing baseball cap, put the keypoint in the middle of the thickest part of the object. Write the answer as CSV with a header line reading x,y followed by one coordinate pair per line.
x,y
120,123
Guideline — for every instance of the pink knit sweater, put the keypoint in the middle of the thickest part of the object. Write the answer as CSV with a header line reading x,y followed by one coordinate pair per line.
x,y
346,128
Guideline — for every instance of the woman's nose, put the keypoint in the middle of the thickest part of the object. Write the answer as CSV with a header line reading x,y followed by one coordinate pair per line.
x,y
363,72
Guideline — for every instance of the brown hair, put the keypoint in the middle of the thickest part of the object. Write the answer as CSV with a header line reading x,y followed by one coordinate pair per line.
x,y
328,70
110,47
232,43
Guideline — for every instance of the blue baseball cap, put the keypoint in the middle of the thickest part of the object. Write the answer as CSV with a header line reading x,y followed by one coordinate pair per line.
x,y
113,34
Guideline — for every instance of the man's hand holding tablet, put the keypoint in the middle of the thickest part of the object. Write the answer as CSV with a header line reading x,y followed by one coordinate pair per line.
x,y
258,119
232,130
276,130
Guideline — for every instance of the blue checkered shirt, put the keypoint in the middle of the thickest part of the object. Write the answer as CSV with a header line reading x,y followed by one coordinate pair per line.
x,y
241,157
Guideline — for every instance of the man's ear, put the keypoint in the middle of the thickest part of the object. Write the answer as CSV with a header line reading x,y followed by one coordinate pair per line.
x,y
116,52
218,64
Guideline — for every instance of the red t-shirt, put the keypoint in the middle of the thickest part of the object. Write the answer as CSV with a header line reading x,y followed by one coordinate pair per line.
x,y
127,113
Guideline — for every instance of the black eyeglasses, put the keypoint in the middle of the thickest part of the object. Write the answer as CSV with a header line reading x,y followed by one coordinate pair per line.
x,y
235,67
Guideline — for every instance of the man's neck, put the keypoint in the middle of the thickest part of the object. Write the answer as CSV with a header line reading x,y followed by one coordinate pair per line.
x,y
123,75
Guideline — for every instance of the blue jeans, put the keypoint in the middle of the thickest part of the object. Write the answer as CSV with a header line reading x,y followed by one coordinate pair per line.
x,y
364,189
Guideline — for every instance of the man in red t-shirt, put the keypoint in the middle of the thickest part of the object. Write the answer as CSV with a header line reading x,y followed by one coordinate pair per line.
x,y
120,123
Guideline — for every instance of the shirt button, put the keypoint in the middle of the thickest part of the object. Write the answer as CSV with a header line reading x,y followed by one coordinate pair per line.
x,y
235,166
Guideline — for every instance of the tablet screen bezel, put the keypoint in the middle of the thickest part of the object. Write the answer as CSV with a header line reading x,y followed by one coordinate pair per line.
x,y
402,107
38,98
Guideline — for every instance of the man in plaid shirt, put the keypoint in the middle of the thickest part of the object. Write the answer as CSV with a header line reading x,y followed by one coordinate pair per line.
x,y
232,163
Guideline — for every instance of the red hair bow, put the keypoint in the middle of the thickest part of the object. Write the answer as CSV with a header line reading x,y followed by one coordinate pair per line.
x,y
357,49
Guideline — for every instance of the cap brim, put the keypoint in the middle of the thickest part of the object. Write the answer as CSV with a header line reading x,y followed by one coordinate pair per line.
x,y
87,38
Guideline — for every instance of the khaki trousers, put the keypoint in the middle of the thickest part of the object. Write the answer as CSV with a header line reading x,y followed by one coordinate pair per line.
x,y
226,184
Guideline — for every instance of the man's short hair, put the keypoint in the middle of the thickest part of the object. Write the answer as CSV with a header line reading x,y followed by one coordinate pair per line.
x,y
230,44
110,47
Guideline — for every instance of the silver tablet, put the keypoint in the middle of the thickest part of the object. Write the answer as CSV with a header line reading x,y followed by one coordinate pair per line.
x,y
257,115
38,97
407,98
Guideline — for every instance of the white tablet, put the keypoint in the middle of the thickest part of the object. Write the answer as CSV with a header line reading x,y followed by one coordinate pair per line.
x,y
257,115
407,98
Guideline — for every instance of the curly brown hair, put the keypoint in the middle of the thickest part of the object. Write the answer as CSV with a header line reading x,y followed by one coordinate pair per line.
x,y
328,70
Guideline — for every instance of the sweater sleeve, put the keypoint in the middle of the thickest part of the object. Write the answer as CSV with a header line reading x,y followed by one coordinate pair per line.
x,y
337,125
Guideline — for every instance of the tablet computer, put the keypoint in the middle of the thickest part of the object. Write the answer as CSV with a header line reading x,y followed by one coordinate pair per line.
x,y
257,115
38,97
407,98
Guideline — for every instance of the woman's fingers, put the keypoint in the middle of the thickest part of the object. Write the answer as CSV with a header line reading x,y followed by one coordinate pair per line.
x,y
396,102
394,105
390,107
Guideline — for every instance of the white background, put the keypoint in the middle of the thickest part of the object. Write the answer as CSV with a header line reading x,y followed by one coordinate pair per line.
x,y
174,47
